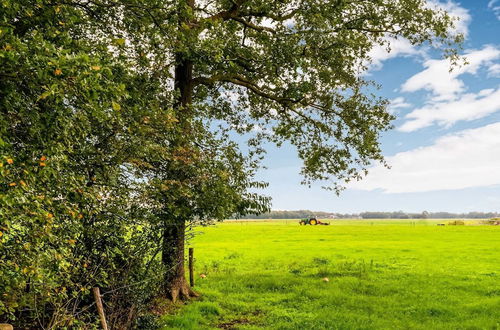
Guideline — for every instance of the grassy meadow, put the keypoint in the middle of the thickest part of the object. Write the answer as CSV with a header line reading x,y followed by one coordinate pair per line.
x,y
382,274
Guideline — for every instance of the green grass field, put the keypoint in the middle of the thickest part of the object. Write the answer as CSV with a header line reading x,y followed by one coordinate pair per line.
x,y
382,275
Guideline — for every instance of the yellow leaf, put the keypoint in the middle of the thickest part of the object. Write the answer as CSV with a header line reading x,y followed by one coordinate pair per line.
x,y
95,67
1,234
72,241
10,161
22,183
57,72
119,41
116,106
43,158
44,95
42,164
12,184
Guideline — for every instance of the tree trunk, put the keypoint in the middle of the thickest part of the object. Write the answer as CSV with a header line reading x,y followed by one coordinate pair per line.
x,y
176,286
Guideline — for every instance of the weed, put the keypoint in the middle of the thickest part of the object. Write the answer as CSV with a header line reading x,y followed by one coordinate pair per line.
x,y
321,261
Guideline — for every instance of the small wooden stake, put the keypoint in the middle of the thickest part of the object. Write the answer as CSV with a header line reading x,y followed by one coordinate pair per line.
x,y
100,309
191,272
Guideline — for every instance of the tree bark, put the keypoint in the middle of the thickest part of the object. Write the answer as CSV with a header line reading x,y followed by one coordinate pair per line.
x,y
176,286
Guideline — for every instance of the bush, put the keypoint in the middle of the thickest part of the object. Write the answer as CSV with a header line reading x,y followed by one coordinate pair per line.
x,y
456,223
72,217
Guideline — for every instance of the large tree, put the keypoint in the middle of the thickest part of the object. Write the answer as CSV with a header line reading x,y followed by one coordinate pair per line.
x,y
286,71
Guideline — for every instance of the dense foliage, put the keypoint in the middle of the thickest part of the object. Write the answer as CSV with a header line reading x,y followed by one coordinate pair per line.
x,y
70,129
117,131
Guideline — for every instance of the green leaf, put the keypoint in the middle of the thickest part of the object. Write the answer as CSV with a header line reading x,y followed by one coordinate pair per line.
x,y
115,106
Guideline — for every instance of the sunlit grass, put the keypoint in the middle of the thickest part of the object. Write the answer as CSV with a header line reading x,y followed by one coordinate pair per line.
x,y
399,274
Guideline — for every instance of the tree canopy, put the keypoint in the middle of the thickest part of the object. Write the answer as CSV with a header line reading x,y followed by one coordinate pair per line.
x,y
294,71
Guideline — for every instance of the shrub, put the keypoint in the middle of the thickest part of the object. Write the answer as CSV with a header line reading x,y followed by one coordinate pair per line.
x,y
456,223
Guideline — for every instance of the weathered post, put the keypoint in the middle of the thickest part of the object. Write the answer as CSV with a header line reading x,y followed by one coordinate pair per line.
x,y
191,272
100,309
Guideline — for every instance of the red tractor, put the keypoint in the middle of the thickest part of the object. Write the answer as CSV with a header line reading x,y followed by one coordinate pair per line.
x,y
312,222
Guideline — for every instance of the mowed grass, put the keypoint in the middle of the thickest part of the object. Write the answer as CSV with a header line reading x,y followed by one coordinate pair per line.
x,y
382,275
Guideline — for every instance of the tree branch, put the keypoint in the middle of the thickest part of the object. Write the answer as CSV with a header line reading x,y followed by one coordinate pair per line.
x,y
230,13
253,26
271,16
287,103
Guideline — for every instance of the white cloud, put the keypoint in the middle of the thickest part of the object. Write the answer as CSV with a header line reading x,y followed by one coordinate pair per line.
x,y
397,104
447,102
494,70
444,84
494,5
468,107
462,160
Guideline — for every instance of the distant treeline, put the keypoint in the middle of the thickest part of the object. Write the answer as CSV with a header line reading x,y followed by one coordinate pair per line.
x,y
427,215
299,214
372,215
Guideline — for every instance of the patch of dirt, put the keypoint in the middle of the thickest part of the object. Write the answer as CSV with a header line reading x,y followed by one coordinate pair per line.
x,y
233,324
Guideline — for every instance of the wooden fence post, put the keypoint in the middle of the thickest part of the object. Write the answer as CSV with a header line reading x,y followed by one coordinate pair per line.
x,y
100,309
191,272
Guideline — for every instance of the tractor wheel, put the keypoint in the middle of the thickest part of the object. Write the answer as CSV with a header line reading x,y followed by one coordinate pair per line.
x,y
301,223
313,222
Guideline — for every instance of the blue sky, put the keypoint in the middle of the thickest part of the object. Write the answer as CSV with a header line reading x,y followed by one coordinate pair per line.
x,y
445,148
